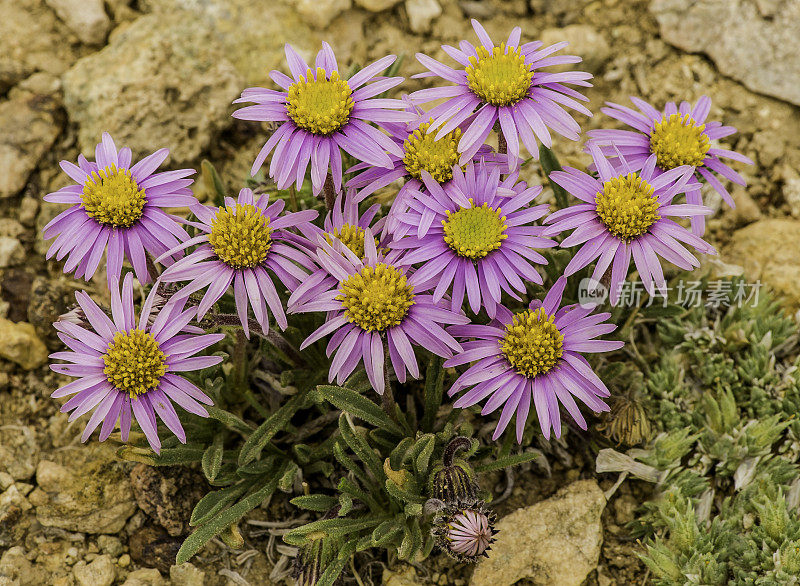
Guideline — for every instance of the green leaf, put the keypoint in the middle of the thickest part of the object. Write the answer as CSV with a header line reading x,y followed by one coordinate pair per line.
x,y
401,494
358,406
212,458
549,164
359,446
211,181
314,502
266,431
423,455
337,527
215,501
202,535
330,575
434,390
230,421
398,455
345,460
188,454
507,461
286,481
386,532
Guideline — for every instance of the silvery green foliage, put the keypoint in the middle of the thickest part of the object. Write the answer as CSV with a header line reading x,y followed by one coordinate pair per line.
x,y
724,400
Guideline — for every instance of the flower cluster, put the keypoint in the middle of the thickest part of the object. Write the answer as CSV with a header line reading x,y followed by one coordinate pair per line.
x,y
440,271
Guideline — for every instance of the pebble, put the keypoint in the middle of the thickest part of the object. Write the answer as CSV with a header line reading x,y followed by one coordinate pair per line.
x,y
20,344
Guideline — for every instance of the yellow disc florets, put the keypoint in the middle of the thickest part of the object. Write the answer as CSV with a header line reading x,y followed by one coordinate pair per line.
x,y
240,236
134,362
437,157
627,206
320,106
475,231
676,141
112,197
500,78
376,298
352,237
532,344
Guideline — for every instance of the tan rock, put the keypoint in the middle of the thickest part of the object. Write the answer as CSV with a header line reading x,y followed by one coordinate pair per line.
x,y
585,41
321,12
19,451
12,253
20,344
377,5
15,565
146,577
187,574
405,576
768,251
162,81
85,489
555,542
86,18
422,13
30,127
100,572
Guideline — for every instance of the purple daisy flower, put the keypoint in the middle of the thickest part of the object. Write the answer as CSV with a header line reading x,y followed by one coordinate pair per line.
x,y
474,233
320,113
238,245
504,84
677,136
534,354
371,303
625,215
126,370
119,206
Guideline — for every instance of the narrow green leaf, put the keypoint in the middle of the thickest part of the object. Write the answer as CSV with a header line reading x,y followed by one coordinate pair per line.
x,y
358,406
549,164
230,421
398,455
402,495
286,481
202,535
423,457
331,574
507,461
212,458
314,502
215,501
434,390
359,446
345,460
266,431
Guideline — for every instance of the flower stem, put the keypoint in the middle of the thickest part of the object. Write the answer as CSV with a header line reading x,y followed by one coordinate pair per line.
x,y
240,362
388,396
502,145
273,337
293,198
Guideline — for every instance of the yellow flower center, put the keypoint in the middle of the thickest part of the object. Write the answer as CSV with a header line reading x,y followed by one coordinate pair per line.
x,y
376,298
476,231
320,106
627,206
352,237
134,362
532,344
499,78
112,197
676,141
437,157
240,236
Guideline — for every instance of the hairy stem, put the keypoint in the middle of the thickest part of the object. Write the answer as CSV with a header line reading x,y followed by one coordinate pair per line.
x,y
273,337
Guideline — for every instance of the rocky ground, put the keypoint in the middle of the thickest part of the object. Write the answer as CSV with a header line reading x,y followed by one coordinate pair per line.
x,y
163,73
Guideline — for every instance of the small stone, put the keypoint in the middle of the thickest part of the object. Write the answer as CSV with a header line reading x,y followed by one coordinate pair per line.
x,y
41,83
405,576
422,13
20,344
6,480
187,574
110,545
791,194
554,542
144,577
151,546
11,252
28,208
167,494
584,41
87,19
746,211
767,250
377,5
19,451
10,228
30,127
124,560
98,573
84,489
13,521
15,565
624,508
320,13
